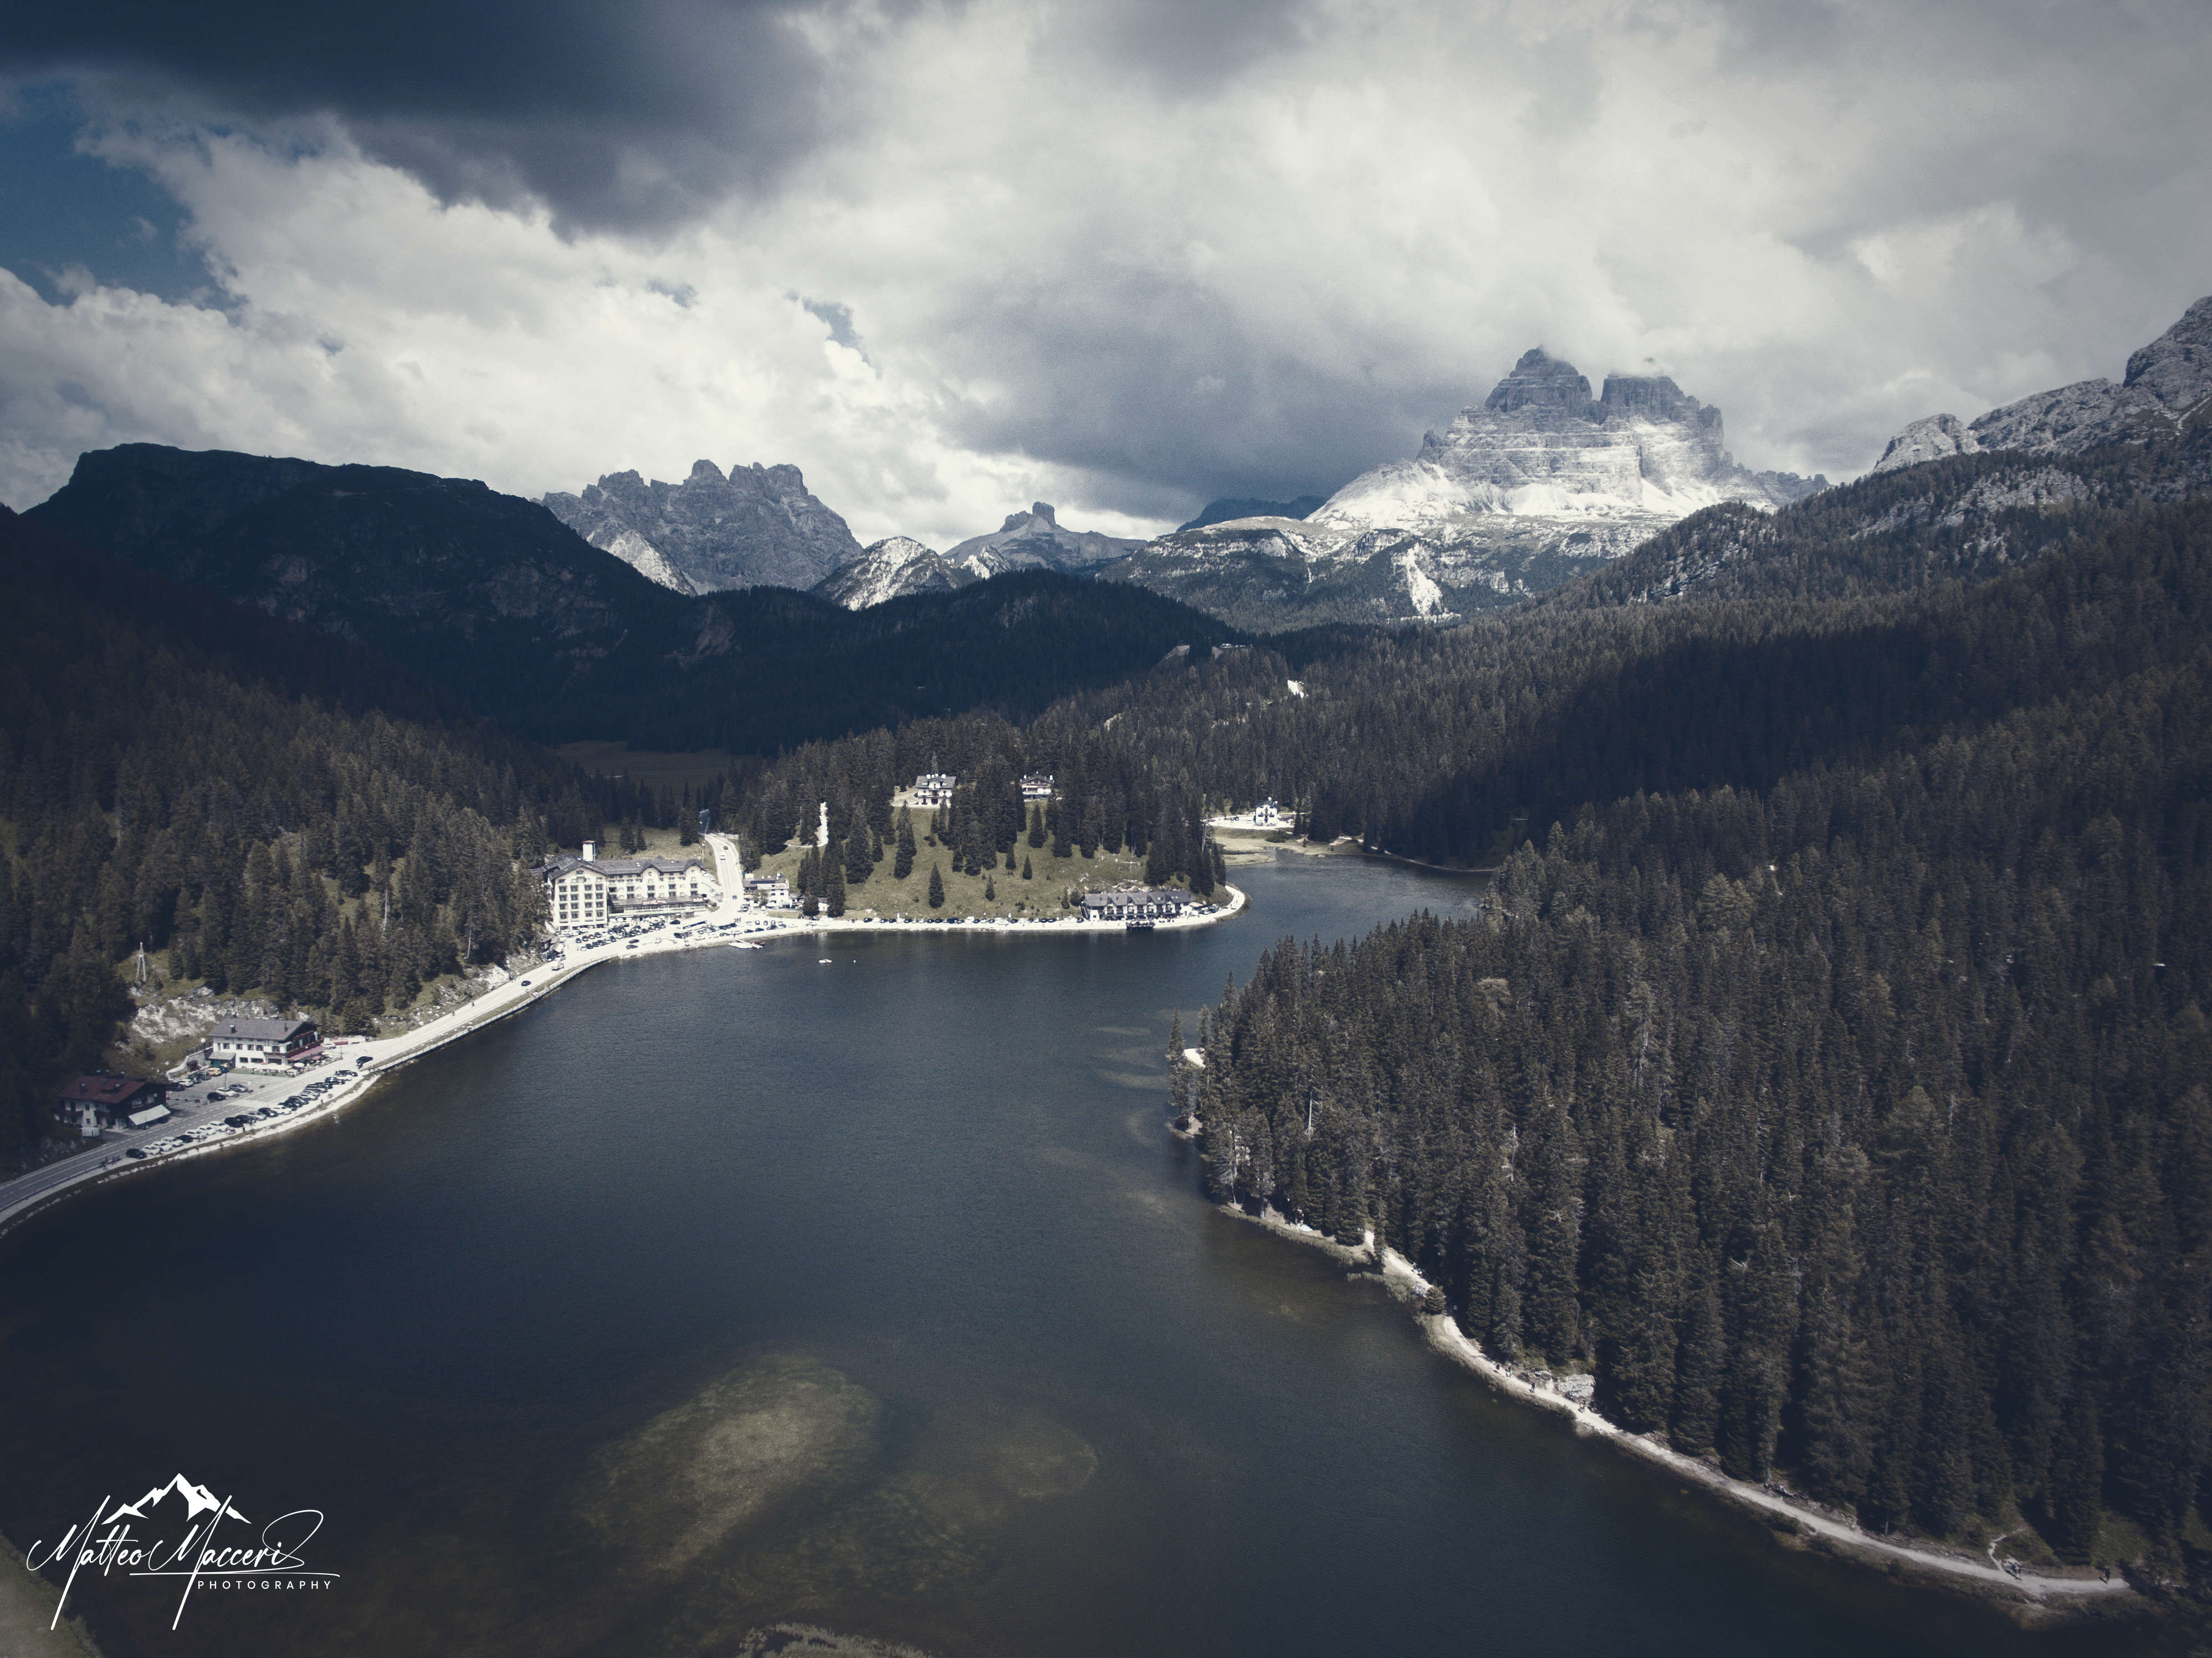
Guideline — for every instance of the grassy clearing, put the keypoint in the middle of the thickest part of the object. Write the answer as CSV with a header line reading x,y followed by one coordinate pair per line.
x,y
884,894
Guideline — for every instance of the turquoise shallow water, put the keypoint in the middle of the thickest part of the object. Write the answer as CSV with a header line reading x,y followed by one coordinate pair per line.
x,y
730,1288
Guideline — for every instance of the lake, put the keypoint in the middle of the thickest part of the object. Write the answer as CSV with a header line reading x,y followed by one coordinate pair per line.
x,y
730,1289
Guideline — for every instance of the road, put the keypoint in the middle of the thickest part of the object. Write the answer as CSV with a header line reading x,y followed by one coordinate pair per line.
x,y
372,1057
192,1109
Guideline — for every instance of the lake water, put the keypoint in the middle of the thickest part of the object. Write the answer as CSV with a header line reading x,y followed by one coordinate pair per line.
x,y
728,1289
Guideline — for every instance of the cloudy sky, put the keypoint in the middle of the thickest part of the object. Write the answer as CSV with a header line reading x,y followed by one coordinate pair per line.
x,y
951,258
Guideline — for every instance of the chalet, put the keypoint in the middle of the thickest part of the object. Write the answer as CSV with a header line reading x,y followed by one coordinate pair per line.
x,y
934,788
273,1042
591,890
1137,904
771,891
1267,815
1037,786
103,1100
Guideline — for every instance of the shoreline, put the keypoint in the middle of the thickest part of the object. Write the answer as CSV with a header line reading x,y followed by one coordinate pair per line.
x,y
2036,1595
1345,846
377,1058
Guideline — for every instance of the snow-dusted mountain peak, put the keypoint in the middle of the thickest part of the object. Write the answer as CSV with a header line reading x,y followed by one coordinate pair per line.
x,y
1036,538
754,526
1541,446
892,568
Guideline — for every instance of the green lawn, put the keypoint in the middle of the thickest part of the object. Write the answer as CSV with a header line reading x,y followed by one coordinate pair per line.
x,y
883,894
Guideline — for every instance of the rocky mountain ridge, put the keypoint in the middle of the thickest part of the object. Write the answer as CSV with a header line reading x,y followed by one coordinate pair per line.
x,y
892,568
1528,489
1541,447
756,526
1965,517
1035,540
2167,388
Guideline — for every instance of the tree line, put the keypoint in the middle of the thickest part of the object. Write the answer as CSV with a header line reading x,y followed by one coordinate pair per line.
x,y
259,808
1839,1096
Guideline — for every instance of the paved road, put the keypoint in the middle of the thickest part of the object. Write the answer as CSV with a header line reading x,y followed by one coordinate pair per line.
x,y
372,1057
192,1108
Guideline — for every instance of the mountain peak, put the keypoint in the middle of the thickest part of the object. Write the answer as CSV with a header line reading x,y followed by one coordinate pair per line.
x,y
1539,446
2175,367
1539,381
758,526
2166,380
198,1500
1040,511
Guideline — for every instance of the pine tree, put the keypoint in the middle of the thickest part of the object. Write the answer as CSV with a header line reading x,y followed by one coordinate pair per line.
x,y
1700,1360
902,863
990,890
2073,1507
1026,875
1036,827
833,884
859,862
936,887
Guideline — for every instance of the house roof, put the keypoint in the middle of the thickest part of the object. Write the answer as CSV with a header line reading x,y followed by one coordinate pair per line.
x,y
614,868
262,1031
1137,895
101,1089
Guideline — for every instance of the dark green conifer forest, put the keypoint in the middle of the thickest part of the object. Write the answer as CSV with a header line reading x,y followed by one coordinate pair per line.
x,y
263,809
1830,1071
1827,1069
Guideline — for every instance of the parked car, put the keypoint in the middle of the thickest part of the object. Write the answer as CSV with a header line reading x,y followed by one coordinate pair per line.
x,y
135,1151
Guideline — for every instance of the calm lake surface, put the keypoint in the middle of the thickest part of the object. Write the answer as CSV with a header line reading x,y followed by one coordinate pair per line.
x,y
727,1289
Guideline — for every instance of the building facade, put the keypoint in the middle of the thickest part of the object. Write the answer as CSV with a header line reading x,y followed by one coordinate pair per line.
x,y
769,891
272,1042
1037,786
592,891
934,788
1137,904
103,1100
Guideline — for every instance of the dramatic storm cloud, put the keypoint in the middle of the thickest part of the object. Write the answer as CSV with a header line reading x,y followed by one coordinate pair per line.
x,y
949,258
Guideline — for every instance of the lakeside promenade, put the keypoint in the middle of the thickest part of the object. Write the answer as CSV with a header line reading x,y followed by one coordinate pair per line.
x,y
372,1058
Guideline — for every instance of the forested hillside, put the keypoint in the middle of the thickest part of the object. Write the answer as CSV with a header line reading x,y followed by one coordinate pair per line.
x,y
1831,1075
1965,519
1108,794
263,808
516,615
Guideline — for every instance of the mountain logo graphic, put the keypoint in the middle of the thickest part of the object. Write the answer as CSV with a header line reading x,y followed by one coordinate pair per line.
x,y
198,1500
213,1553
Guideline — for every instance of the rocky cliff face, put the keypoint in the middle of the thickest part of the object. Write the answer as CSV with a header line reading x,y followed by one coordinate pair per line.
x,y
1539,483
2168,387
892,568
1541,447
1035,540
757,527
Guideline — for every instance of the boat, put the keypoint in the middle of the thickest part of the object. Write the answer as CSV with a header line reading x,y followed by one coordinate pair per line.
x,y
744,946
1136,927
